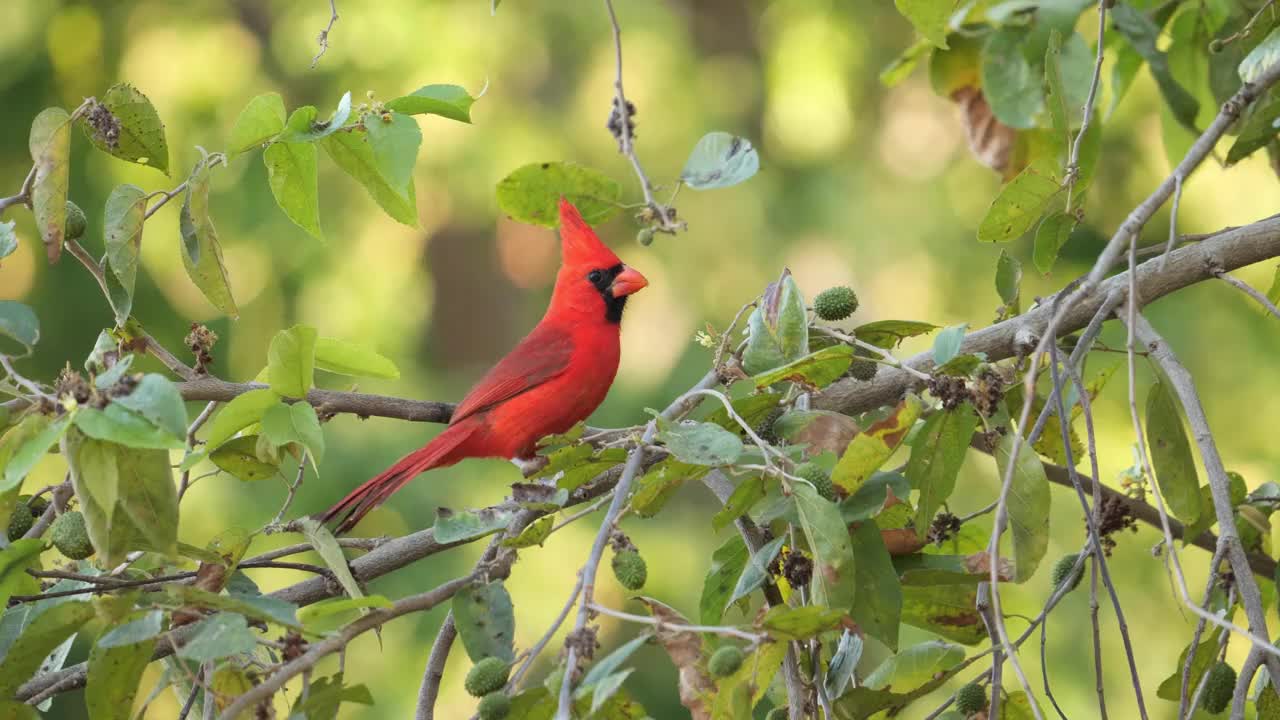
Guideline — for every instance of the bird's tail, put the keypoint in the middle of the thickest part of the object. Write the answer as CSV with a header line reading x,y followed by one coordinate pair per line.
x,y
374,492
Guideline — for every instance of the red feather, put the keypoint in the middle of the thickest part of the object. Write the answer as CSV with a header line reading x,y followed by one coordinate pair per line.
x,y
554,378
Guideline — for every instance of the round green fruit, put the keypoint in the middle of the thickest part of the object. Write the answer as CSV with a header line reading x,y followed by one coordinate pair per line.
x,y
970,699
820,479
835,303
494,706
70,536
725,661
76,223
486,676
1218,688
630,569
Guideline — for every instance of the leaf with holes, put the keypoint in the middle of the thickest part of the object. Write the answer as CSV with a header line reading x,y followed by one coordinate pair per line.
x,y
720,160
457,525
50,146
141,134
449,101
201,250
531,194
486,621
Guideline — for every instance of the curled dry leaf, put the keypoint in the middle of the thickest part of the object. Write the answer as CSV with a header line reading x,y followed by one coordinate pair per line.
x,y
990,140
685,649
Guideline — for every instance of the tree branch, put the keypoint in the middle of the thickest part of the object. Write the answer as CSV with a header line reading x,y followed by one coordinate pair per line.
x,y
1186,266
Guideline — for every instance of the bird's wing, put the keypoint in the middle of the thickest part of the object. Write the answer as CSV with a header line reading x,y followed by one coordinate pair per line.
x,y
543,355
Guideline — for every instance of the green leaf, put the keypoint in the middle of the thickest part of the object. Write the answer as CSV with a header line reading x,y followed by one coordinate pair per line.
x,y
351,152
915,666
937,453
260,121
148,496
302,125
1027,505
119,425
813,371
486,621
326,696
930,17
1051,236
1019,205
15,559
945,610
1055,94
946,345
818,431
263,608
533,534
133,632
50,145
1142,33
755,571
46,632
141,134
35,445
1273,292
656,486
870,497
870,448
833,581
95,476
327,546
455,526
778,328
889,334
531,194
291,361
297,423
783,622
959,66
1258,129
8,239
395,140
1009,279
335,606
720,160
291,173
727,563
1206,653
1262,57
1010,84
113,677
239,457
219,636
844,661
348,358
877,601
243,411
1171,457
700,443
450,101
122,230
611,662
201,251
19,322
901,67
158,400
750,490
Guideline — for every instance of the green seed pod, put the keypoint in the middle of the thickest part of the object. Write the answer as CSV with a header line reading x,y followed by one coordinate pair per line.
x,y
725,661
70,536
645,236
19,522
76,223
970,699
1062,569
486,676
863,369
1218,688
820,479
494,706
630,569
835,303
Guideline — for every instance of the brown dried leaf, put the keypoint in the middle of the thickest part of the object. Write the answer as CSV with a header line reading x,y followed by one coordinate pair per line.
x,y
990,140
685,649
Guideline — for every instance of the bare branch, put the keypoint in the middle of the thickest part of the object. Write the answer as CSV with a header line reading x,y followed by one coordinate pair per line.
x,y
323,38
1248,290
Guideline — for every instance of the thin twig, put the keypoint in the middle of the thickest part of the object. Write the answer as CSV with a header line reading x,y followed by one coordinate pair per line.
x,y
1173,221
726,630
323,38
1249,290
1073,162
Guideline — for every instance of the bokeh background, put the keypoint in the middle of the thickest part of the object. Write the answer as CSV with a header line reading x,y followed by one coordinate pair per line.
x,y
859,184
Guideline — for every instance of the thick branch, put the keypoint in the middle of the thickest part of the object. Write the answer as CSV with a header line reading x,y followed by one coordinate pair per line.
x,y
328,401
1186,266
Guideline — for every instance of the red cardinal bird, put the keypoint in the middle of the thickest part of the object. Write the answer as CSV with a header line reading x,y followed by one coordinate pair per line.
x,y
557,376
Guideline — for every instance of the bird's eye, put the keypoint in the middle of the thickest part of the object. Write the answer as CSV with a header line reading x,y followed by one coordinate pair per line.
x,y
594,276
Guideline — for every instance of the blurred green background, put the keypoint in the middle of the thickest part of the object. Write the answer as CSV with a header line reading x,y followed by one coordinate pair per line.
x,y
859,184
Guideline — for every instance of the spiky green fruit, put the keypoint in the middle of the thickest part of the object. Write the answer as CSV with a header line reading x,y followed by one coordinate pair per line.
x,y
486,676
725,661
970,699
1218,688
863,369
1062,569
820,478
494,706
70,536
20,522
76,223
835,303
630,569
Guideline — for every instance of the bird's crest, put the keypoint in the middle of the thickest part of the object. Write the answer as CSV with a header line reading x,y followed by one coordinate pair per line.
x,y
580,246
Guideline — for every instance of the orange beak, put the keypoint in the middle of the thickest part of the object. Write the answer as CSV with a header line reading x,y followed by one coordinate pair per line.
x,y
627,282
